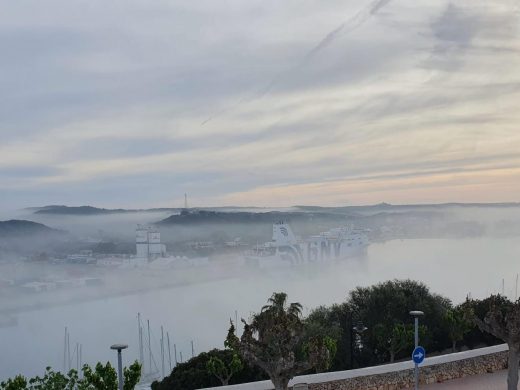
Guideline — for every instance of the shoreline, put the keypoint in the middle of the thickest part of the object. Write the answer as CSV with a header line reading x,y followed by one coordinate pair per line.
x,y
53,299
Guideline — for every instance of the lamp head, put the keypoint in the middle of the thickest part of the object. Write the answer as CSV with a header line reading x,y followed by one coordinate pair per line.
x,y
119,347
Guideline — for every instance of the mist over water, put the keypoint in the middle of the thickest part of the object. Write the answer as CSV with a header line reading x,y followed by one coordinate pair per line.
x,y
201,312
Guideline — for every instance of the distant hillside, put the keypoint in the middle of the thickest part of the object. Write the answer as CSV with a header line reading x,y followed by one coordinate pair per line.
x,y
376,208
195,217
17,228
79,210
90,210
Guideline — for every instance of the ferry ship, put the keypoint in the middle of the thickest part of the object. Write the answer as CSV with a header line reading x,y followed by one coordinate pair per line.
x,y
286,249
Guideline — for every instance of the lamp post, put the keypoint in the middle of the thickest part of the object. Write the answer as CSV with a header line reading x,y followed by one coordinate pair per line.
x,y
354,331
119,348
358,332
416,314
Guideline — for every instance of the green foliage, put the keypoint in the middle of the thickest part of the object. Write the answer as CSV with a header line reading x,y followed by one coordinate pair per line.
x,y
17,383
394,339
479,308
275,341
194,373
457,325
502,320
222,371
55,380
317,343
103,377
131,375
381,307
333,322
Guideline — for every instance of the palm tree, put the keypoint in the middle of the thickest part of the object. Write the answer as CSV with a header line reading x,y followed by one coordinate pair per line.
x,y
275,342
277,305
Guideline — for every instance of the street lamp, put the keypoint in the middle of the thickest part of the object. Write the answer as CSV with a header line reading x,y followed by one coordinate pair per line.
x,y
416,314
354,331
119,348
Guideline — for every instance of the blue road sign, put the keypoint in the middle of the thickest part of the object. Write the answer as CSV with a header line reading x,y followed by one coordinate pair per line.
x,y
418,355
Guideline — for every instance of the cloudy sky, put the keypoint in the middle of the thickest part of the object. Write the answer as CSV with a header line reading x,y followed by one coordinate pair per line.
x,y
260,102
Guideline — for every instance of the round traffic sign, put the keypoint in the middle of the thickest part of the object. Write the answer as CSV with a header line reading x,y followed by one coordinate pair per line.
x,y
418,355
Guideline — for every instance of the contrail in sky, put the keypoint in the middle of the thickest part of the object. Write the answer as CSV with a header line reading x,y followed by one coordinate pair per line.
x,y
346,27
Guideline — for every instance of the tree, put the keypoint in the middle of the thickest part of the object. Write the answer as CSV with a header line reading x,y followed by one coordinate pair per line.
x,y
332,323
220,369
394,339
103,377
57,381
476,338
223,371
389,303
194,373
457,325
17,383
275,342
131,376
502,320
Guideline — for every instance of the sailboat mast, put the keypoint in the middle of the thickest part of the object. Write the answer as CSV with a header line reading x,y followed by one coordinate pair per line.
x,y
162,351
68,352
80,357
169,351
149,345
140,332
516,288
65,351
77,357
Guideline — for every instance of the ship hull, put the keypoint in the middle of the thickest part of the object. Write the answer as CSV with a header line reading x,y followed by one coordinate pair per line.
x,y
295,257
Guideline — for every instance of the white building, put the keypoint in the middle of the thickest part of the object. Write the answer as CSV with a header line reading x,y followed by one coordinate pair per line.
x,y
148,243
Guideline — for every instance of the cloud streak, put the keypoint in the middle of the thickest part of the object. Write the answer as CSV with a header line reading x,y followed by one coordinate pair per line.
x,y
346,27
424,92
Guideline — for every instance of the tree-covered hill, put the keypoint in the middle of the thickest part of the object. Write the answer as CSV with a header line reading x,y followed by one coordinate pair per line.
x,y
19,228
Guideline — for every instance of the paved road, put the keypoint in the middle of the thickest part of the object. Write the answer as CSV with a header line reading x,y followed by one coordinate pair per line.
x,y
494,381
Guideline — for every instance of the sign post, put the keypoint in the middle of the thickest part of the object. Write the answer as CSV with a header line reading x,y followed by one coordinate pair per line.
x,y
418,353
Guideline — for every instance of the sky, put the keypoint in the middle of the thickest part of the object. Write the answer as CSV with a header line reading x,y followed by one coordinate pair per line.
x,y
259,103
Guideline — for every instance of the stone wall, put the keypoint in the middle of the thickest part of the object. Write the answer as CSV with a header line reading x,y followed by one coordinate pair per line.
x,y
405,379
399,375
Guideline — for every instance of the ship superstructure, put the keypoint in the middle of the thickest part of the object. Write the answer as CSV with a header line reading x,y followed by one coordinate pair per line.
x,y
287,249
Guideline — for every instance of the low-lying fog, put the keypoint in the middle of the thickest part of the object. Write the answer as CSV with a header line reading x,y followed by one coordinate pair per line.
x,y
475,263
